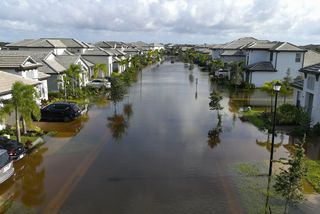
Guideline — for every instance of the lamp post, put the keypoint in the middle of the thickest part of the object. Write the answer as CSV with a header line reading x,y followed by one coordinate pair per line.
x,y
276,89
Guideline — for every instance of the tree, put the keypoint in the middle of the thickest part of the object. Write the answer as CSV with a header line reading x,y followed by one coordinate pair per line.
x,y
100,68
236,73
23,103
286,89
117,91
214,104
72,77
289,182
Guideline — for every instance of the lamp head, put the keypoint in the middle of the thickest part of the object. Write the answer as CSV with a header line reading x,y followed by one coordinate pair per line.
x,y
277,87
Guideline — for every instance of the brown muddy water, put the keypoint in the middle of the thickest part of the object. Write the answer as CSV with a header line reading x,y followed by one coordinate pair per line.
x,y
152,156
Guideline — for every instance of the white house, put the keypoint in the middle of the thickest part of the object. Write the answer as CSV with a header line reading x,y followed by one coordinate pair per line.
x,y
307,91
26,67
267,61
99,56
233,51
6,82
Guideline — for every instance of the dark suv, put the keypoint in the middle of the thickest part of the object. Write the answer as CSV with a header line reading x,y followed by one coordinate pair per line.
x,y
15,149
60,111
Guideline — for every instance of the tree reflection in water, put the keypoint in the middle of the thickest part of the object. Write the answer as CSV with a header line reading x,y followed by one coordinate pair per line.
x,y
119,123
267,143
214,133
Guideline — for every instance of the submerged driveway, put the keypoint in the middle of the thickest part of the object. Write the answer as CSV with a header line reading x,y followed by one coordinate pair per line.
x,y
153,156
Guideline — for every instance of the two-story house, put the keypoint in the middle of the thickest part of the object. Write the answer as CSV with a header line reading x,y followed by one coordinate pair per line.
x,y
26,67
267,61
100,56
6,82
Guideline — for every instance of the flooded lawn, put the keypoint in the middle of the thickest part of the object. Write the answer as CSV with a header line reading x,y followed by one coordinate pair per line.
x,y
152,156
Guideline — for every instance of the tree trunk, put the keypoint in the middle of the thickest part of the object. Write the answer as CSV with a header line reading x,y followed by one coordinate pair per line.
x,y
18,135
24,126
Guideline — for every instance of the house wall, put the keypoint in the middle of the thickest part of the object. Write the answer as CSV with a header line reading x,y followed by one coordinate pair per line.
x,y
107,60
315,113
4,97
227,59
260,77
284,61
216,54
255,56
53,82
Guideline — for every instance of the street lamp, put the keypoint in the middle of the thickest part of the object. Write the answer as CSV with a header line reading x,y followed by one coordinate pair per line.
x,y
276,89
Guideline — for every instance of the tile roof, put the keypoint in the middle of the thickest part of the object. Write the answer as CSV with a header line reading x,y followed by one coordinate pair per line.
x,y
8,79
232,53
240,43
67,60
18,62
55,66
286,46
42,75
50,43
261,66
313,69
262,45
97,52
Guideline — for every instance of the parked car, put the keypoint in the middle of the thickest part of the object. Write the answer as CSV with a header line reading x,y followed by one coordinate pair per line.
x,y
60,111
6,166
99,84
15,149
221,73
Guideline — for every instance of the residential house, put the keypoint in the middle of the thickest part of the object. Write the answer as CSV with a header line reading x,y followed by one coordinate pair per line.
x,y
117,59
6,82
99,56
156,46
267,61
26,67
306,91
57,45
233,51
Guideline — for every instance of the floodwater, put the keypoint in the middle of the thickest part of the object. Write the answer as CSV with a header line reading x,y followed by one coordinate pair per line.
x,y
150,154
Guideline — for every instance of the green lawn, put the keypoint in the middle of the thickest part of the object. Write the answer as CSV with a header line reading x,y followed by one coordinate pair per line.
x,y
254,117
313,174
24,139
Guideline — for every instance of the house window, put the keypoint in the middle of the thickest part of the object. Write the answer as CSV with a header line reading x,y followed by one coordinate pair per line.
x,y
310,82
298,57
271,56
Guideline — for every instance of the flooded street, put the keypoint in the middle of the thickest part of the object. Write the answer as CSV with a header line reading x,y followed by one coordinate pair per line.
x,y
149,155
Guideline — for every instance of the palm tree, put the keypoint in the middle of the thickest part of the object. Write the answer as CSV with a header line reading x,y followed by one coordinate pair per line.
x,y
236,73
23,104
72,76
99,68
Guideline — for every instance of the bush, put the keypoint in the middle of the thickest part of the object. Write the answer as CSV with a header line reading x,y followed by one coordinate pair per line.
x,y
55,95
288,114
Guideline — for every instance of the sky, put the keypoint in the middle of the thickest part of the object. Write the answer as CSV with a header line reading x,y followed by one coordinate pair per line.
x,y
166,21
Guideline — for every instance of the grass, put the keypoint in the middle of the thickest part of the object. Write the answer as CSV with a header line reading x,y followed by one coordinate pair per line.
x,y
313,174
255,117
24,139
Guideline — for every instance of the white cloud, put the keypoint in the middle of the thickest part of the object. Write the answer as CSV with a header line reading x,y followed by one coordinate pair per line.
x,y
184,20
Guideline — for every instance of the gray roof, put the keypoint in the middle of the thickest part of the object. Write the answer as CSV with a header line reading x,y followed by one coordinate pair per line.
x,y
97,52
54,66
311,57
262,45
232,53
36,55
103,44
42,75
286,46
50,43
240,43
261,66
312,69
67,60
8,79
298,82
18,62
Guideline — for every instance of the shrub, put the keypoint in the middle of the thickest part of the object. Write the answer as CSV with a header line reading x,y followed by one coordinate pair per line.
x,y
55,95
316,129
288,114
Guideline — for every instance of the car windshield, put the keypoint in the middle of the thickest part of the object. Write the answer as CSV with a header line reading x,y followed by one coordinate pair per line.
x,y
98,81
4,157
